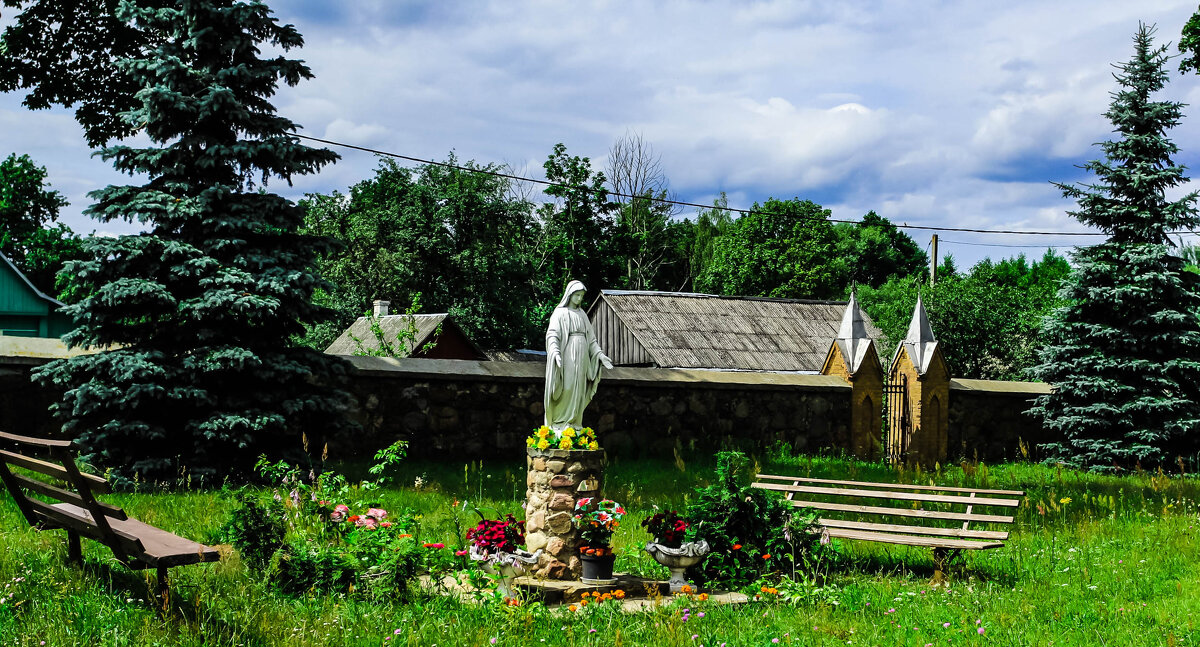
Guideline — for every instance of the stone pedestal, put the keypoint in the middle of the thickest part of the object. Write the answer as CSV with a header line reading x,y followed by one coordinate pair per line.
x,y
557,479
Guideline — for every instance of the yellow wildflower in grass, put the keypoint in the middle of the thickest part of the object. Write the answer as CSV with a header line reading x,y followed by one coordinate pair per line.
x,y
543,444
1065,500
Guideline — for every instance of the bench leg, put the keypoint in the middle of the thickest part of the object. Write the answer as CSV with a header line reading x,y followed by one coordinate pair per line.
x,y
164,590
74,550
942,558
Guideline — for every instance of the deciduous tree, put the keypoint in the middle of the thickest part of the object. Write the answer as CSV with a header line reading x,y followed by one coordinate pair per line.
x,y
457,237
780,249
29,235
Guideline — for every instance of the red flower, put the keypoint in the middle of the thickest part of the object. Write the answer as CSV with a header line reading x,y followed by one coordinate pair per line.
x,y
353,519
737,546
767,556
434,545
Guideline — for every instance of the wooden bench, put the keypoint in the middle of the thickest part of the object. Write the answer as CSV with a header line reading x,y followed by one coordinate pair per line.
x,y
73,507
860,510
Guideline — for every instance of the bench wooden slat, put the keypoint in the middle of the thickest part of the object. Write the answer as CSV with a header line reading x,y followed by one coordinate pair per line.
x,y
884,494
914,540
61,515
66,496
916,530
96,483
42,443
160,548
903,512
894,486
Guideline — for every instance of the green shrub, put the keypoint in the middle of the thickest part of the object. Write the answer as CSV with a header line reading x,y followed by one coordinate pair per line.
x,y
750,531
255,529
305,565
323,534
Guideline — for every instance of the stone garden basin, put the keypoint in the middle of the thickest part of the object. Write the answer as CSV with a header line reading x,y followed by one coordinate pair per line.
x,y
679,559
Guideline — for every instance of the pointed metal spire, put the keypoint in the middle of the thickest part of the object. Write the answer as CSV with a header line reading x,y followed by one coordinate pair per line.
x,y
919,342
919,331
852,336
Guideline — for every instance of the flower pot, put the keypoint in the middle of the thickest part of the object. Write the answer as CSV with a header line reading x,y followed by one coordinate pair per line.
x,y
505,566
598,569
679,559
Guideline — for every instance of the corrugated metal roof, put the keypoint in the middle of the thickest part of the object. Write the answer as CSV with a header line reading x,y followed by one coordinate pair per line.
x,y
392,325
687,330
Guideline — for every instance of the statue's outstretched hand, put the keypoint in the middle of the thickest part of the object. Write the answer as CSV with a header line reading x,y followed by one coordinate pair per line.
x,y
557,360
606,361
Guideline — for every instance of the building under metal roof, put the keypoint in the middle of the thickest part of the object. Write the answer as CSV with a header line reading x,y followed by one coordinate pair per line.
x,y
684,330
434,336
26,311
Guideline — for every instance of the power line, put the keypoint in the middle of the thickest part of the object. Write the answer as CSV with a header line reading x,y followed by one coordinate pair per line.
x,y
680,202
963,242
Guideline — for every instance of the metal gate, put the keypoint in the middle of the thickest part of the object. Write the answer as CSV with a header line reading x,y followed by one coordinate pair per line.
x,y
897,418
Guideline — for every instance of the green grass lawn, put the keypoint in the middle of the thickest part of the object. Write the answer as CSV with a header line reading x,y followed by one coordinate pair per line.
x,y
1117,564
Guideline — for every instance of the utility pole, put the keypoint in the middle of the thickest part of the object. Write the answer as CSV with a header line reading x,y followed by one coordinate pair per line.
x,y
933,262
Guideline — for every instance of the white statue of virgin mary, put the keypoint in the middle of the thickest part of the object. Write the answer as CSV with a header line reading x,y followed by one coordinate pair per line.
x,y
573,360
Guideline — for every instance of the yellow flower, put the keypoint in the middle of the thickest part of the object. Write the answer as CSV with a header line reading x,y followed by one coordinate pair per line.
x,y
568,433
530,442
543,443
1065,500
594,445
543,431
565,443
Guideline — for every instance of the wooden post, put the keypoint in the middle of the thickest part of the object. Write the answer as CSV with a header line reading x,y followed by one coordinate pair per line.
x,y
933,258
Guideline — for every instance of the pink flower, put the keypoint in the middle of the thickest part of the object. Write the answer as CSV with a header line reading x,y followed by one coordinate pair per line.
x,y
342,508
460,553
378,513
337,517
434,545
980,630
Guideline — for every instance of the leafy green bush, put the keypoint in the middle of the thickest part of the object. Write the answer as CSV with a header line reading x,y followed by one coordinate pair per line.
x,y
323,534
750,531
255,529
310,566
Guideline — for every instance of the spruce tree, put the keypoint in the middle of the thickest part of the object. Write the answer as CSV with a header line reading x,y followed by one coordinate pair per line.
x,y
198,312
1123,353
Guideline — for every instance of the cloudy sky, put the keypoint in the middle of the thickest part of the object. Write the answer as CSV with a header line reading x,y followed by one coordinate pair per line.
x,y
953,114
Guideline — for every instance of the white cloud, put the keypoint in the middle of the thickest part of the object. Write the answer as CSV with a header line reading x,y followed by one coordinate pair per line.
x,y
941,113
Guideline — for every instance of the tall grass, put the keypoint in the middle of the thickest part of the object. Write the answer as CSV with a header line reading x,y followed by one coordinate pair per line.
x,y
1093,560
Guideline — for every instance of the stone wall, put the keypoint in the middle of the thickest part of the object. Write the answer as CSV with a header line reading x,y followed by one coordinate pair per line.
x,y
988,420
486,409
24,407
476,409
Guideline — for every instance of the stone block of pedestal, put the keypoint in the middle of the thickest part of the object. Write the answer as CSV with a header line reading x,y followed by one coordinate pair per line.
x,y
557,479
